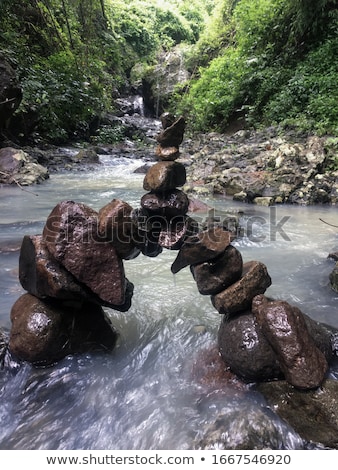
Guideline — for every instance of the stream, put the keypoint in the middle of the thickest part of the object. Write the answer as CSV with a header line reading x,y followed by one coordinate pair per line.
x,y
149,393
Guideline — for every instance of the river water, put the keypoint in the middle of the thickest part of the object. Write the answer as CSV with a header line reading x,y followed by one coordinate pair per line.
x,y
150,392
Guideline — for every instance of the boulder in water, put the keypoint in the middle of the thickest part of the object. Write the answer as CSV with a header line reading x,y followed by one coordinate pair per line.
x,y
44,332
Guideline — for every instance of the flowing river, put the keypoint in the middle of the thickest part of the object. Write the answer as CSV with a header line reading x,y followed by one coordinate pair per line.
x,y
150,392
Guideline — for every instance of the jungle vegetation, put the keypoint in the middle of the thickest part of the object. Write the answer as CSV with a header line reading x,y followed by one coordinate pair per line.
x,y
268,62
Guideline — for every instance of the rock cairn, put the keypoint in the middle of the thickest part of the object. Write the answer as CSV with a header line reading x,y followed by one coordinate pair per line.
x,y
75,268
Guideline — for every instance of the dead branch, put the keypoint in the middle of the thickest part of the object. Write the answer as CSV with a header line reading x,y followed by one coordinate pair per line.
x,y
18,184
327,223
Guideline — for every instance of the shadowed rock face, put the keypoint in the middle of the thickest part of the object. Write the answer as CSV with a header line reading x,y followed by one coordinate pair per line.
x,y
204,246
44,332
217,274
238,297
71,235
284,326
42,276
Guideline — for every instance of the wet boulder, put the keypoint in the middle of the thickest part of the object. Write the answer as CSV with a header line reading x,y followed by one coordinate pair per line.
x,y
303,364
245,349
44,332
172,135
238,297
167,153
164,176
168,204
217,274
205,246
72,237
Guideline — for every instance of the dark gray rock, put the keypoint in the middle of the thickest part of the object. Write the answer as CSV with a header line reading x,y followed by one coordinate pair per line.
x,y
217,274
245,349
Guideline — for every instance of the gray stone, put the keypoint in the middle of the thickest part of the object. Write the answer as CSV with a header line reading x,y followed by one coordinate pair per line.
x,y
245,349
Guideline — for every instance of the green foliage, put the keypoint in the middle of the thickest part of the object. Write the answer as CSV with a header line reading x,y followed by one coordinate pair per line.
x,y
272,60
70,55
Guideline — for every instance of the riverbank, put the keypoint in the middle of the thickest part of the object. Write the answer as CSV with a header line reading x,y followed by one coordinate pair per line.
x,y
263,167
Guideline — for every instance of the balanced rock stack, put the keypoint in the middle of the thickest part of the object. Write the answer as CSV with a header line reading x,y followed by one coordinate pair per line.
x,y
75,268
70,272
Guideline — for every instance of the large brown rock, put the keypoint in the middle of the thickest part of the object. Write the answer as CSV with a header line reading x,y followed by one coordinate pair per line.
x,y
284,326
168,204
72,237
217,274
238,297
115,224
204,246
42,276
164,176
44,332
